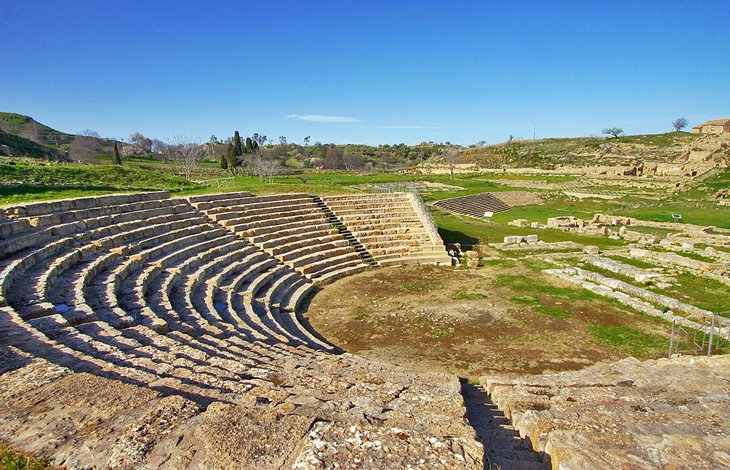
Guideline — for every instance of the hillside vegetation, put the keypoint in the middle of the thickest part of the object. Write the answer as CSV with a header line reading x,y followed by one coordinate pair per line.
x,y
28,182
581,151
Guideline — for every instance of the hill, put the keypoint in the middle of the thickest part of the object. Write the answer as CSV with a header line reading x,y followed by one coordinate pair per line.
x,y
21,135
30,129
672,147
14,145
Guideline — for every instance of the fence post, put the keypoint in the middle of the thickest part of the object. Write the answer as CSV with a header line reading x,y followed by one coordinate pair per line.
x,y
671,341
712,336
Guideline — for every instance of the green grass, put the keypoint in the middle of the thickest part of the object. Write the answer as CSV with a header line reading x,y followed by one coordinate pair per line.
x,y
441,332
553,311
469,231
533,286
632,261
23,146
13,460
688,254
42,182
701,292
659,231
464,295
421,285
628,340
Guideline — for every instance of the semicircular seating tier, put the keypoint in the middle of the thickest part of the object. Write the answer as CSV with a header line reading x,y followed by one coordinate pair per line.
x,y
145,331
476,205
390,227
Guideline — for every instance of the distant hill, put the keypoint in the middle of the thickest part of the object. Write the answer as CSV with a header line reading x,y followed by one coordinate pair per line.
x,y
22,135
14,145
672,147
29,128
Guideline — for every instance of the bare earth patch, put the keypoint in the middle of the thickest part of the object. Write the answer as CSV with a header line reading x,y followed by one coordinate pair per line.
x,y
478,322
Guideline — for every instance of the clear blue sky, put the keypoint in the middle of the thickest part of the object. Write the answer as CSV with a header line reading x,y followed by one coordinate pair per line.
x,y
365,71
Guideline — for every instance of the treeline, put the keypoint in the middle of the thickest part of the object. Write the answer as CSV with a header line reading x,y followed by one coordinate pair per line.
x,y
256,154
320,155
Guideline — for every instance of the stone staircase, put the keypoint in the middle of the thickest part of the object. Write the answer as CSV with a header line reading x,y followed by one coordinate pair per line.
x,y
345,232
475,205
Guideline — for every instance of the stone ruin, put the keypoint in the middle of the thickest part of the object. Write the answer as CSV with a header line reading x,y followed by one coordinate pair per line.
x,y
142,331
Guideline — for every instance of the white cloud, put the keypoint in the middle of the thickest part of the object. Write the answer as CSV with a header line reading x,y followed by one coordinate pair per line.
x,y
320,118
408,127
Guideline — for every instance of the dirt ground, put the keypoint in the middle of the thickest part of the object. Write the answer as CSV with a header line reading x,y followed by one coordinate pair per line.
x,y
472,322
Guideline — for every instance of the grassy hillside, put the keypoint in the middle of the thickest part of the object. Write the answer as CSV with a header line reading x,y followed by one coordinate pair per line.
x,y
23,136
25,182
548,153
29,128
15,145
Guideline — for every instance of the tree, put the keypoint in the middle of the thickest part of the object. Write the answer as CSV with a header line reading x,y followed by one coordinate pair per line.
x,y
90,133
333,158
116,157
231,158
282,140
259,138
614,131
680,123
141,143
237,144
186,153
84,149
352,161
264,168
249,145
450,154
306,141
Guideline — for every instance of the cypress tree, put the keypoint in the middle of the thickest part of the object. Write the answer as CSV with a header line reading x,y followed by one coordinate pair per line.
x,y
237,144
249,145
231,157
117,158
255,147
224,162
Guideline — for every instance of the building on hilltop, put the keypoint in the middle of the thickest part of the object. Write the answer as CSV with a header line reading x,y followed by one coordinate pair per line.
x,y
716,126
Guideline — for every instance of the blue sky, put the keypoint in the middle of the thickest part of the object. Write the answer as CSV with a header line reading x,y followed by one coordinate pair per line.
x,y
365,71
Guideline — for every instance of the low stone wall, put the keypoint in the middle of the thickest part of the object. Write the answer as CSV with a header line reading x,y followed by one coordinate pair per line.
x,y
676,260
605,291
640,275
647,295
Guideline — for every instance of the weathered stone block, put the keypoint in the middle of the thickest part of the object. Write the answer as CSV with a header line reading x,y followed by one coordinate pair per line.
x,y
591,250
513,239
520,223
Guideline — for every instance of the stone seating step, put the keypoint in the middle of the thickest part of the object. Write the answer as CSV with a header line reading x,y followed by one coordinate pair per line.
x,y
209,198
48,207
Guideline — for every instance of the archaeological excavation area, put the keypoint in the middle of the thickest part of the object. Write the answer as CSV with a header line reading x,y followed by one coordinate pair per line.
x,y
145,331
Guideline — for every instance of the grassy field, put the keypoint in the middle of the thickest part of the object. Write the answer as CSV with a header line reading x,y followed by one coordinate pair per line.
x,y
470,231
23,182
42,182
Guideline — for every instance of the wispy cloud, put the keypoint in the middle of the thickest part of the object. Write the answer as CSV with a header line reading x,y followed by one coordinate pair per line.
x,y
407,127
321,118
